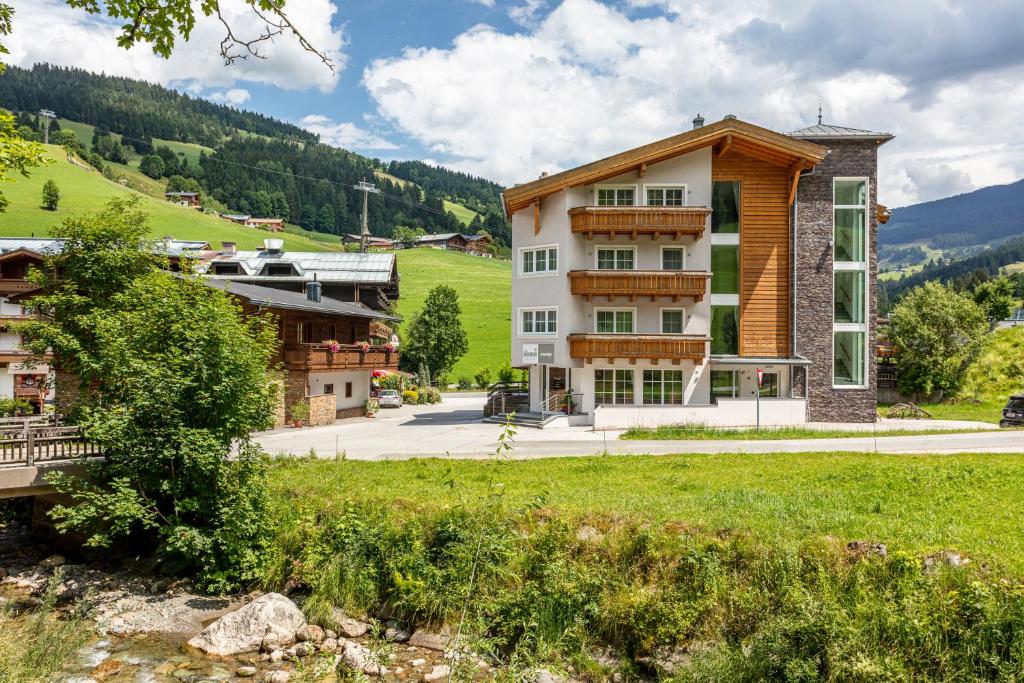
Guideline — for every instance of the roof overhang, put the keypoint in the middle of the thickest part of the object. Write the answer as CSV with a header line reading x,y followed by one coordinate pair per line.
x,y
15,253
740,136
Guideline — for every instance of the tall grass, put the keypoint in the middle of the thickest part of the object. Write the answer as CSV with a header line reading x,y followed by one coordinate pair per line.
x,y
38,645
730,605
702,432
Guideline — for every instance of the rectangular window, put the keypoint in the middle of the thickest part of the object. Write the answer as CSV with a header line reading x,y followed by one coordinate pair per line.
x,y
615,259
613,387
851,197
328,389
724,384
673,320
673,258
849,296
539,321
725,330
612,321
539,261
666,196
725,205
769,385
725,269
663,387
848,359
616,196
348,389
304,333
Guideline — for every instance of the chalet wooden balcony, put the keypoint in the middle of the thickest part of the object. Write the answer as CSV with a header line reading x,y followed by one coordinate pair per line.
x,y
633,347
673,284
318,357
673,221
10,286
37,393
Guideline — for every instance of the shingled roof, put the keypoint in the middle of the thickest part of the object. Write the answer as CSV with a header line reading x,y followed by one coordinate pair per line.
x,y
281,298
828,131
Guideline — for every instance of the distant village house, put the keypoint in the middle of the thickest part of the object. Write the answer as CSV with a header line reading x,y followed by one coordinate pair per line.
x,y
269,224
187,199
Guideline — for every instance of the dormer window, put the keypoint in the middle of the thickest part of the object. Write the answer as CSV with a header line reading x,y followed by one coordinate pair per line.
x,y
226,269
278,269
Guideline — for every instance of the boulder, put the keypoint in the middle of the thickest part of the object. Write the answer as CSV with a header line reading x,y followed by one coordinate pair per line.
x,y
277,677
245,671
270,617
329,645
359,658
430,640
350,628
310,634
396,633
52,561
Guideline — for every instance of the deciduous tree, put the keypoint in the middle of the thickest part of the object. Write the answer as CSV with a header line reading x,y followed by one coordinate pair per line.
x,y
435,336
51,195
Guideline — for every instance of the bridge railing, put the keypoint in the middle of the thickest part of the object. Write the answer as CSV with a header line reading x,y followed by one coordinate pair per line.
x,y
36,443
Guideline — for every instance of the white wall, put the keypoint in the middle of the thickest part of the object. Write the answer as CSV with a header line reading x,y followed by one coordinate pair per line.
x,y
360,386
739,412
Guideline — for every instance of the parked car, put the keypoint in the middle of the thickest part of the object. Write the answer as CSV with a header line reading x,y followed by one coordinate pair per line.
x,y
389,398
1013,413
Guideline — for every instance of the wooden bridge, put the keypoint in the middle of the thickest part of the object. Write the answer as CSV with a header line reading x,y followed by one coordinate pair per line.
x,y
32,447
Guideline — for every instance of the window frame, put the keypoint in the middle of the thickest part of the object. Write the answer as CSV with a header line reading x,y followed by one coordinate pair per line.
x,y
535,248
668,247
606,247
667,186
661,387
661,319
616,186
778,383
855,266
631,385
735,384
535,309
616,309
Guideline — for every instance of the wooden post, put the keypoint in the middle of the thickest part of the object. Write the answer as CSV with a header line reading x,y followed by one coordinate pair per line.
x,y
30,446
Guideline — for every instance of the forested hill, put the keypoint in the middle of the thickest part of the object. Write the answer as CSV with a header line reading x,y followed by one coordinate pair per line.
x,y
976,218
133,108
961,273
251,164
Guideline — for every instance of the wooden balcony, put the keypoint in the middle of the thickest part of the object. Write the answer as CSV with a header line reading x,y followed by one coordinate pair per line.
x,y
673,284
9,286
653,347
674,221
31,393
317,357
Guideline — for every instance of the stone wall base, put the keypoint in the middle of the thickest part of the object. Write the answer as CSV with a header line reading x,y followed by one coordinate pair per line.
x,y
322,410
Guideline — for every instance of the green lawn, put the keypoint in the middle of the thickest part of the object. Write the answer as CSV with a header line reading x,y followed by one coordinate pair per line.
x,y
461,212
696,432
989,410
919,503
84,189
485,294
189,150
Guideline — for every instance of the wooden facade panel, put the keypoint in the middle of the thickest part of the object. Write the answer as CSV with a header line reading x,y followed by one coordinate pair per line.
x,y
765,258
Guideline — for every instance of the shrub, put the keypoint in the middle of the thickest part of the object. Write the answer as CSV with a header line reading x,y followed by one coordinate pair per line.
x,y
394,380
999,370
464,383
430,395
299,411
506,375
483,378
410,396
9,407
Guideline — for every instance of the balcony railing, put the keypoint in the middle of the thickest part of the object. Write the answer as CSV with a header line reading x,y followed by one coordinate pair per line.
x,y
348,357
674,347
637,283
655,221
16,286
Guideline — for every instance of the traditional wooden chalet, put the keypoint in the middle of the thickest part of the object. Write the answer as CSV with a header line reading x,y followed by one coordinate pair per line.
x,y
269,224
329,349
679,281
369,279
449,241
189,199
479,245
374,241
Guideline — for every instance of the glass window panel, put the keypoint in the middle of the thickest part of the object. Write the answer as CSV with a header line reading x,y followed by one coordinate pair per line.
x,y
725,330
665,196
623,322
624,387
604,384
605,321
624,259
672,259
605,197
541,261
527,261
605,259
849,296
615,259
723,384
624,197
725,205
552,259
725,269
851,193
672,387
672,322
769,385
849,236
527,322
652,387
848,359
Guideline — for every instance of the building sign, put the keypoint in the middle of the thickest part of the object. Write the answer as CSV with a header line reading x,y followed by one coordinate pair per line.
x,y
531,354
546,353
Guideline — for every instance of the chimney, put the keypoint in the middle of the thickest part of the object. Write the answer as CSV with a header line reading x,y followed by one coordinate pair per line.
x,y
313,289
273,245
698,122
729,117
228,248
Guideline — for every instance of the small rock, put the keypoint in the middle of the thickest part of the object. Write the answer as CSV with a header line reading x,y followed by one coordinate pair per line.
x,y
350,628
417,662
399,671
329,645
159,586
310,633
277,655
545,676
301,650
866,548
328,633
277,677
430,641
245,671
52,561
588,534
359,658
397,634
439,672
944,557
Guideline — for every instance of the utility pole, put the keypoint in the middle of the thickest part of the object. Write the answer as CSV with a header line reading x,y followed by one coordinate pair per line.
x,y
46,115
364,234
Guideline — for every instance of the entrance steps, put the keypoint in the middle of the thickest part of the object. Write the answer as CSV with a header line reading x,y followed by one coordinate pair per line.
x,y
534,420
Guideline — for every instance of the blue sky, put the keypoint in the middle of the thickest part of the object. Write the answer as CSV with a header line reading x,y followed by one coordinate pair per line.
x,y
508,89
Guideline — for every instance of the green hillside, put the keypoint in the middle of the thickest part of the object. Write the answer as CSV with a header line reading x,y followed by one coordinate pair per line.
x,y
485,294
84,189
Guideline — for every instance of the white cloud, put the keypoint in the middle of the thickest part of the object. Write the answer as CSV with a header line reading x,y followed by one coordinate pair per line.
x,y
235,97
590,79
485,3
526,14
76,38
344,134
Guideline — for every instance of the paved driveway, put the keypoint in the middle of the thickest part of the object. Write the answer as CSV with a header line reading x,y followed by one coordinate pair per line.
x,y
453,429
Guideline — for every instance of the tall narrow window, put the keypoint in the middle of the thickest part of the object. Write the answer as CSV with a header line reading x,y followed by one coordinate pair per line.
x,y
725,207
725,269
850,282
725,330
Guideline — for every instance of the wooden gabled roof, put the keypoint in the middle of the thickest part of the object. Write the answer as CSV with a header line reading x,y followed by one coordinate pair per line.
x,y
730,133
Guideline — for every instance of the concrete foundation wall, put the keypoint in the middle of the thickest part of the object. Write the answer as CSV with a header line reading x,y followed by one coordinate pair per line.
x,y
737,412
